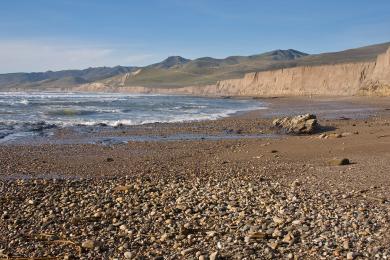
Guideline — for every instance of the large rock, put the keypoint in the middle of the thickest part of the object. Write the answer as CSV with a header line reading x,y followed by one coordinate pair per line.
x,y
302,124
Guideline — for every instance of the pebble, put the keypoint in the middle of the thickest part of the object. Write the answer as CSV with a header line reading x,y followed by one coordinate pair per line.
x,y
339,162
128,255
278,220
187,251
123,227
214,255
246,216
88,244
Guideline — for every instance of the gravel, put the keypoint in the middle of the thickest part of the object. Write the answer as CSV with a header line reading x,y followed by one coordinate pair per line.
x,y
210,217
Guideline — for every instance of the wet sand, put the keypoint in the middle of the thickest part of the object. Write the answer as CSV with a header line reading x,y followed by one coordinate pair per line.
x,y
267,196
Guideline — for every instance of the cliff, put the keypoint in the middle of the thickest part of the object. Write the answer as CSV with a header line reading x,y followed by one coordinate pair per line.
x,y
362,78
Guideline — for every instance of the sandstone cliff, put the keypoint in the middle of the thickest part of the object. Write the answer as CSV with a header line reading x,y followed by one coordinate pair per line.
x,y
364,78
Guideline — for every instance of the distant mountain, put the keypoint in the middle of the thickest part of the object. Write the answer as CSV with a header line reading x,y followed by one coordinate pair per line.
x,y
60,79
289,54
176,71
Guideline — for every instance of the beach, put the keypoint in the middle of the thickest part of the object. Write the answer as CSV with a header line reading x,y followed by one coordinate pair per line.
x,y
228,188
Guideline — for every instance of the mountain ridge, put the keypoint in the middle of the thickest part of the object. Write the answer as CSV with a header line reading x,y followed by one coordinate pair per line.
x,y
176,71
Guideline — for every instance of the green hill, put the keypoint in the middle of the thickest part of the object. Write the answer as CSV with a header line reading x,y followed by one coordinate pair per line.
x,y
209,70
176,71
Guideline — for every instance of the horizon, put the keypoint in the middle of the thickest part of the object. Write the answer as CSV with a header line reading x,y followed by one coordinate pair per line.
x,y
64,35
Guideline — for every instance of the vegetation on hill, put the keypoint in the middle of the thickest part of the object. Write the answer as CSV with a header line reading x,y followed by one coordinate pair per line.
x,y
176,71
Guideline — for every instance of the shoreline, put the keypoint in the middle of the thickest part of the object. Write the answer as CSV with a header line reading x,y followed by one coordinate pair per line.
x,y
269,198
324,107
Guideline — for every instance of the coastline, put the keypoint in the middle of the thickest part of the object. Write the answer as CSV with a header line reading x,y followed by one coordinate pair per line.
x,y
161,198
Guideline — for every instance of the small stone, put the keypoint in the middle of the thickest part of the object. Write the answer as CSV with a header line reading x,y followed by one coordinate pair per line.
x,y
273,245
122,188
214,255
276,233
346,244
88,244
297,222
128,255
164,237
339,162
350,256
287,238
278,220
257,235
211,233
187,251
295,183
202,257
123,227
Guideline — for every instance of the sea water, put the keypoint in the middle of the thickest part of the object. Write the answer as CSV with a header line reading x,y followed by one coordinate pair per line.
x,y
30,112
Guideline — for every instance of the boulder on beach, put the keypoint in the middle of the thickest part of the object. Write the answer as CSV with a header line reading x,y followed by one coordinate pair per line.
x,y
301,124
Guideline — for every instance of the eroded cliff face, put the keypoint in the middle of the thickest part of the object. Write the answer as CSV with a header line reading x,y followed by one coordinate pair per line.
x,y
343,79
366,78
378,83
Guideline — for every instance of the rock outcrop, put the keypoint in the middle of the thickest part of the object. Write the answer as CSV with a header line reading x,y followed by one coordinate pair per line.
x,y
301,124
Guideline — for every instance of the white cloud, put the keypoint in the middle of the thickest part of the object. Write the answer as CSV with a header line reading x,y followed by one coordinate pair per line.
x,y
43,55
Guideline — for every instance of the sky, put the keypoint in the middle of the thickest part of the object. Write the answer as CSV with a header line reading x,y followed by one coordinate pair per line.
x,y
43,35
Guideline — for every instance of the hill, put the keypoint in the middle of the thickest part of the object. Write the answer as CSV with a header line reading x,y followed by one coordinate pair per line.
x,y
176,71
59,79
207,70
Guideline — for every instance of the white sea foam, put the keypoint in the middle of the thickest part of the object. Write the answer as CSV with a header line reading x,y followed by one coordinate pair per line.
x,y
67,109
24,101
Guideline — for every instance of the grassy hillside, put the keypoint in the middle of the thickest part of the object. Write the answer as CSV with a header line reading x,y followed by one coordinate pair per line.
x,y
176,71
368,53
59,79
208,70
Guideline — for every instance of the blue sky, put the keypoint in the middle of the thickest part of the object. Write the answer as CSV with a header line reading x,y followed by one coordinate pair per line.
x,y
40,35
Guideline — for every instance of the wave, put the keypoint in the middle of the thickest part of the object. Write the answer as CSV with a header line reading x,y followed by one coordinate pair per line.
x,y
24,101
159,119
67,109
12,102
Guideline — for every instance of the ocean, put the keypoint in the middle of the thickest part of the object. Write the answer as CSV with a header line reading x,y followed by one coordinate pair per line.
x,y
32,112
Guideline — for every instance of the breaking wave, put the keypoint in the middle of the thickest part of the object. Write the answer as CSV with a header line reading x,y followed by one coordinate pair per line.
x,y
41,111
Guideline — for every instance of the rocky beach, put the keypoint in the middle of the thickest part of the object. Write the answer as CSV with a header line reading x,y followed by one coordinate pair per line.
x,y
252,191
194,130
